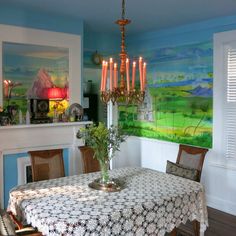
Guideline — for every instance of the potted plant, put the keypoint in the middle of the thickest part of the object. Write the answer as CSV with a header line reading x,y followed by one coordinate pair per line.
x,y
105,142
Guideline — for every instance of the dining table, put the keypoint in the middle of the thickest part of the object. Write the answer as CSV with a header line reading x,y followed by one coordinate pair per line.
x,y
151,203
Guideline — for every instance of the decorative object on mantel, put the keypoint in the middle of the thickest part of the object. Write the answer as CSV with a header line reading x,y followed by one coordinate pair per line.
x,y
87,87
8,116
126,90
4,117
38,113
56,93
8,87
75,112
96,58
105,142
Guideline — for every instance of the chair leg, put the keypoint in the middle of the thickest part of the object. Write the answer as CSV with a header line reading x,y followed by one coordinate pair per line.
x,y
196,228
173,232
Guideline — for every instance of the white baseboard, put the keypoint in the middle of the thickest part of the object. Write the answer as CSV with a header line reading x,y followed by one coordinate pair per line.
x,y
222,205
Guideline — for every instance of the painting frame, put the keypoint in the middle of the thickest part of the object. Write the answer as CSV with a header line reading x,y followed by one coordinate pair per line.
x,y
22,35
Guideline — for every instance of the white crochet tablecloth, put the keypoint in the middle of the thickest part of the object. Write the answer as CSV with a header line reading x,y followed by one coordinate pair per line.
x,y
152,203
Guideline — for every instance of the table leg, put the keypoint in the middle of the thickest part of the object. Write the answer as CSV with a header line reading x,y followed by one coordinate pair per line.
x,y
173,232
196,228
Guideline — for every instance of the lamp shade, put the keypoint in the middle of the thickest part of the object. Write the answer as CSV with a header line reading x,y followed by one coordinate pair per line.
x,y
55,93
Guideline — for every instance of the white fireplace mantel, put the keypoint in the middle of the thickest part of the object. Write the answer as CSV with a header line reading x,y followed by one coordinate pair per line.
x,y
24,138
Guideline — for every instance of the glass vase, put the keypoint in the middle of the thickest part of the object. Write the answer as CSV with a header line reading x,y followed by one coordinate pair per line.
x,y
104,167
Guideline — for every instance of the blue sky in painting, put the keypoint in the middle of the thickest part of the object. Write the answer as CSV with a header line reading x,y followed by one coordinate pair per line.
x,y
185,58
21,62
188,65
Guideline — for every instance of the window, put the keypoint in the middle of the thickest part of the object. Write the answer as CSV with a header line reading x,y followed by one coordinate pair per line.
x,y
224,117
230,103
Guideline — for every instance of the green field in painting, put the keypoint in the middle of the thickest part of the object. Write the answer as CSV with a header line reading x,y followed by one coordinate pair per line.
x,y
177,117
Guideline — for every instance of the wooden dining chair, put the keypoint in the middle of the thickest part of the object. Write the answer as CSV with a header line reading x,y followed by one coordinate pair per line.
x,y
192,157
90,164
189,161
9,225
47,164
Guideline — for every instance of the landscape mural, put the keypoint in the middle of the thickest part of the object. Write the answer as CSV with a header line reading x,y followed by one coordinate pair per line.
x,y
28,70
178,102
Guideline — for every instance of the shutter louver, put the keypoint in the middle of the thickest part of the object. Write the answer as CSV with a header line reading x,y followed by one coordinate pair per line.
x,y
230,103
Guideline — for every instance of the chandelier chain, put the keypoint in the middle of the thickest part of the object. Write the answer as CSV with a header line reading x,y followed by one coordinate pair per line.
x,y
123,9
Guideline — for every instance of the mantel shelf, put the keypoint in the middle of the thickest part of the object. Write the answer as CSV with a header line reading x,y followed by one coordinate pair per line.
x,y
45,125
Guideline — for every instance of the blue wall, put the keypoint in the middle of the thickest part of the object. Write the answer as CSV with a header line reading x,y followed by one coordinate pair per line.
x,y
186,34
40,20
10,171
102,42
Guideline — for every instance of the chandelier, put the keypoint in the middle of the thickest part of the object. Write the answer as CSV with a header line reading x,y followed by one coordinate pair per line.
x,y
123,90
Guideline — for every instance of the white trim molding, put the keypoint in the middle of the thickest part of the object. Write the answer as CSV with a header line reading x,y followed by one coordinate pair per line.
x,y
22,163
221,204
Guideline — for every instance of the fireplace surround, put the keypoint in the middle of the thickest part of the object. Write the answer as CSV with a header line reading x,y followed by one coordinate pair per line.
x,y
20,139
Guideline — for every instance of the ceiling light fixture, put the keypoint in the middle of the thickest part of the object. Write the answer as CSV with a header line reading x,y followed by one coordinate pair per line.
x,y
125,91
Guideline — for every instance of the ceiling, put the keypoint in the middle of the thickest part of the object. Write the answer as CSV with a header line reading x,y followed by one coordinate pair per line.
x,y
146,15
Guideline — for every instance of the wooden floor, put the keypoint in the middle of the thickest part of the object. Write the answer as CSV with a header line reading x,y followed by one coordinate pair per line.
x,y
220,224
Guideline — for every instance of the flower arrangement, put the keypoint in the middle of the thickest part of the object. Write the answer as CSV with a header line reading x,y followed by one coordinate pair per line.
x,y
105,142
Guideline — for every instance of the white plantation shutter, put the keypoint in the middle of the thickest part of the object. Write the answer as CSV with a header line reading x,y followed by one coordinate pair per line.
x,y
230,104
